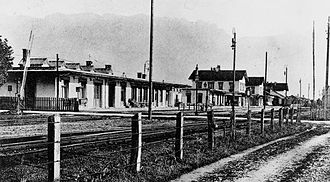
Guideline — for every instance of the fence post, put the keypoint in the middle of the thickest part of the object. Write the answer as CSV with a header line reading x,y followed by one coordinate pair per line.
x,y
136,148
287,115
298,115
210,130
262,124
272,115
54,148
179,137
291,114
280,118
248,128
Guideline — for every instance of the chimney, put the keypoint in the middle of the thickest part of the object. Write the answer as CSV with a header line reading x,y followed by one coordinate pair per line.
x,y
139,75
108,67
89,63
196,73
218,68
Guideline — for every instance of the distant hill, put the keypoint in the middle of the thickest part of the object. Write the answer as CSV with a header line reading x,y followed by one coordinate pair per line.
x,y
178,45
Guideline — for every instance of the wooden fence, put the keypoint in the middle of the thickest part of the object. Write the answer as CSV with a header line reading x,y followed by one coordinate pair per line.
x,y
136,135
41,103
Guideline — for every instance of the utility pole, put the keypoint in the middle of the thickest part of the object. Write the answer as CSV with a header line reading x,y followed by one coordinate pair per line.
x,y
265,82
196,84
313,61
286,83
150,61
327,72
233,119
57,83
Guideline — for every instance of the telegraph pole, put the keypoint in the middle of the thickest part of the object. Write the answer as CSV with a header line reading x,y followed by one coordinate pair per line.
x,y
265,82
309,86
57,83
233,120
150,62
327,72
313,61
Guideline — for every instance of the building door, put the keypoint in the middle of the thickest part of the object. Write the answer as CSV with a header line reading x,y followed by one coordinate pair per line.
x,y
30,92
112,94
97,95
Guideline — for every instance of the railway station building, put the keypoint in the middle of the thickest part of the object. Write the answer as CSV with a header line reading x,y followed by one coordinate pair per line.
x,y
91,87
214,86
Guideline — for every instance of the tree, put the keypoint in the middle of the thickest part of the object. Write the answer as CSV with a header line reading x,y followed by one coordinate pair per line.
x,y
6,59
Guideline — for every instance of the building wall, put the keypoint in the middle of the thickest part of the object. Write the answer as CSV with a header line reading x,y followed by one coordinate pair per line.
x,y
45,87
4,88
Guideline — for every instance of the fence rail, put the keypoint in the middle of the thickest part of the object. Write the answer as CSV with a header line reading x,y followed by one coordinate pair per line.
x,y
41,103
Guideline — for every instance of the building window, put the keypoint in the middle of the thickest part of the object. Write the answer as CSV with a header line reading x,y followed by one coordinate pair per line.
x,y
198,84
200,98
167,95
140,97
211,85
253,91
133,96
220,85
188,97
231,86
65,89
161,96
10,88
123,93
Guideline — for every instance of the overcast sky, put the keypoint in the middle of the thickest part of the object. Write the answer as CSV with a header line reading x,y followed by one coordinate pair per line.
x,y
249,17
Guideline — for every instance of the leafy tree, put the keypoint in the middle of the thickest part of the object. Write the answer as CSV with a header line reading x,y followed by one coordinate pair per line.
x,y
6,59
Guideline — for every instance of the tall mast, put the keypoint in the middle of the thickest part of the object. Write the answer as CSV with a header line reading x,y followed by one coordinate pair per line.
x,y
313,61
327,71
150,61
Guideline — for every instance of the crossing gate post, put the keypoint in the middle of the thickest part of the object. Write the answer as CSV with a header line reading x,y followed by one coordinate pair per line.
x,y
136,148
248,128
211,127
179,137
54,148
272,115
262,123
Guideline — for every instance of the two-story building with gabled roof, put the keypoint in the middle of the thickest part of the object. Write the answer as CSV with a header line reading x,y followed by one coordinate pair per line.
x,y
256,87
215,86
92,87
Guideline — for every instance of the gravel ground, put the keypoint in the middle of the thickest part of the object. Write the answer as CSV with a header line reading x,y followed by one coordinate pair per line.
x,y
301,158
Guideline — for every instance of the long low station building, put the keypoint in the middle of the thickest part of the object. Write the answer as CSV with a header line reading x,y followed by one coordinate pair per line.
x,y
91,87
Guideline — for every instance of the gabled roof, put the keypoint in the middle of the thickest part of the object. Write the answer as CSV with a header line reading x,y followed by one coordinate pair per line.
x,y
254,81
278,86
222,75
34,61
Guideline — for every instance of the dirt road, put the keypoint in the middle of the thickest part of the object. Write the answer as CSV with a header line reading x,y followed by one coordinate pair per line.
x,y
304,157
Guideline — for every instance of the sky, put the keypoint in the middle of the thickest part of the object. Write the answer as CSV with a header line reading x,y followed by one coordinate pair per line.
x,y
249,17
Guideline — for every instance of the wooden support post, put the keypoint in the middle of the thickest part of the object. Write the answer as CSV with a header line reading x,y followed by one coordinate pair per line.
x,y
280,118
211,127
299,115
136,148
272,115
248,128
179,137
291,114
233,125
262,123
287,115
54,148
